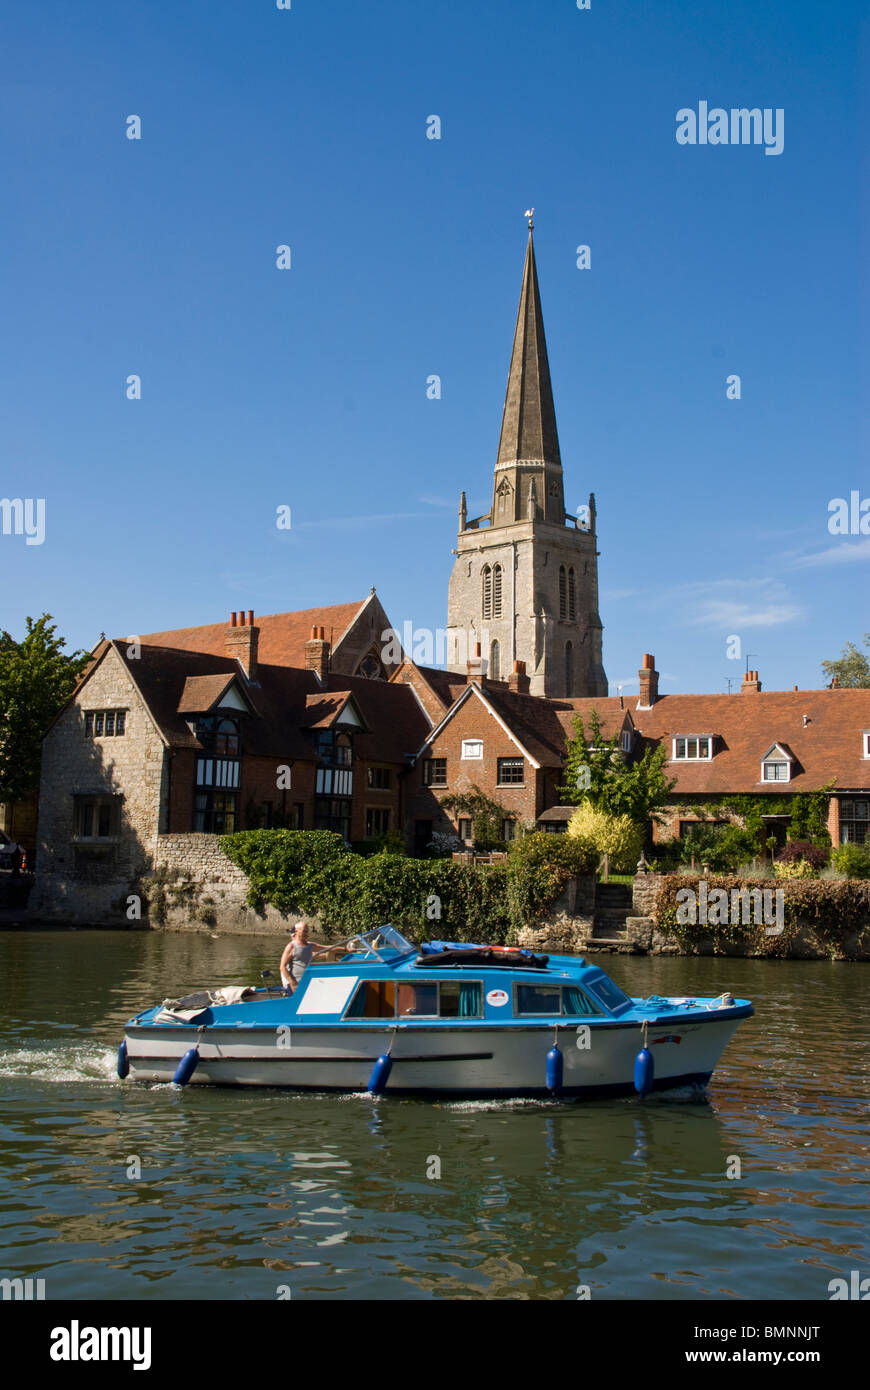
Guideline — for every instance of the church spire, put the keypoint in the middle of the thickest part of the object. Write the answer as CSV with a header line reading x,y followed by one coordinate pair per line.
x,y
528,428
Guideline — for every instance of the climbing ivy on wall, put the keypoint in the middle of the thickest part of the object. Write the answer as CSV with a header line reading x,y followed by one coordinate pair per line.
x,y
808,811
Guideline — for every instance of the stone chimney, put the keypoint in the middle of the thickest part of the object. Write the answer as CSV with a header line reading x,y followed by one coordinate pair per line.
x,y
750,685
475,668
241,640
649,682
518,681
317,654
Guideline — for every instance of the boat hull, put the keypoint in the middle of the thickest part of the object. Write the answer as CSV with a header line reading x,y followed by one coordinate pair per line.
x,y
440,1059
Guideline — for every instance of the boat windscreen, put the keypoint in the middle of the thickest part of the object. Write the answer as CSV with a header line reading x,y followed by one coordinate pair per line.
x,y
610,994
387,939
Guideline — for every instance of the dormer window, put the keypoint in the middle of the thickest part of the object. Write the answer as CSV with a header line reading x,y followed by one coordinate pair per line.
x,y
692,748
776,764
626,741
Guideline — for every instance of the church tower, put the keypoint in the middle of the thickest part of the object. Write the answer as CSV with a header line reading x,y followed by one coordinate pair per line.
x,y
525,580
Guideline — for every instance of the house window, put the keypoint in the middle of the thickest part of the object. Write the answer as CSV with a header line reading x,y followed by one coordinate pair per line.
x,y
96,817
508,830
377,821
626,740
511,770
486,597
563,593
435,772
572,602
332,814
774,770
378,778
265,815
494,662
855,822
472,748
865,744
105,723
463,830
693,748
214,812
217,772
496,591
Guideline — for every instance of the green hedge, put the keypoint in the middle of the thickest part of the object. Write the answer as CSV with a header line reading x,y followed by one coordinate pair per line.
x,y
833,909
310,871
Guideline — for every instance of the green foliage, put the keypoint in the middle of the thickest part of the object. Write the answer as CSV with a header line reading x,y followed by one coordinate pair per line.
x,y
310,871
619,837
834,910
851,860
598,771
723,847
808,811
852,669
487,816
36,678
795,868
571,852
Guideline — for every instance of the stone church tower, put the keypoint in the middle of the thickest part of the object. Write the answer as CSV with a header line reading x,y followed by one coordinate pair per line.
x,y
525,581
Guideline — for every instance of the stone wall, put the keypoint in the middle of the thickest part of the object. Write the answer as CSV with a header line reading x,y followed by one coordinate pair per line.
x,y
568,925
195,887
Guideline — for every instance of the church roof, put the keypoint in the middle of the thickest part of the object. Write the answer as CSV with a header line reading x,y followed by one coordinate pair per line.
x,y
528,429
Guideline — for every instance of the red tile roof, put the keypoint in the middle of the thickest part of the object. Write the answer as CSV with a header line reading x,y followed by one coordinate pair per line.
x,y
282,635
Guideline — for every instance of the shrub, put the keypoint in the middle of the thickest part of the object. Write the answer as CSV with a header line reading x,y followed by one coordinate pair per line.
x,y
853,861
793,851
794,868
572,852
619,837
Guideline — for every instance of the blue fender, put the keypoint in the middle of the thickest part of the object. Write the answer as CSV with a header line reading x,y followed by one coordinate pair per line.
x,y
186,1067
644,1072
123,1060
380,1074
554,1070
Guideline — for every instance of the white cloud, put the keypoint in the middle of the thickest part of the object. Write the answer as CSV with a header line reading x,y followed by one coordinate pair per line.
x,y
843,554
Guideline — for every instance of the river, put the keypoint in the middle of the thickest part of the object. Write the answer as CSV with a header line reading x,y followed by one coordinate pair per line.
x,y
266,1194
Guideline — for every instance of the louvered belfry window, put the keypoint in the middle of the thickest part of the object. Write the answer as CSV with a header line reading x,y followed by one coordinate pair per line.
x,y
496,591
572,603
563,600
487,591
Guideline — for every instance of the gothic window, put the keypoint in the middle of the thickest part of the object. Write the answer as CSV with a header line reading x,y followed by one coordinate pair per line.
x,y
563,600
494,662
496,591
569,669
486,574
503,492
372,667
572,604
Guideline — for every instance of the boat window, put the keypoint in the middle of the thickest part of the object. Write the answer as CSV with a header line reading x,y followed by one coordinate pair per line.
x,y
577,1001
373,999
415,1001
538,999
610,994
461,999
383,940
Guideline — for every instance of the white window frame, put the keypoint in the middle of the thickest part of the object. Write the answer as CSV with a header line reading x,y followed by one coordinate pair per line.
x,y
686,739
776,762
469,743
865,736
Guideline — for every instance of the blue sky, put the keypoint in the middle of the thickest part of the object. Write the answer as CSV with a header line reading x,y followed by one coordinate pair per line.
x,y
307,387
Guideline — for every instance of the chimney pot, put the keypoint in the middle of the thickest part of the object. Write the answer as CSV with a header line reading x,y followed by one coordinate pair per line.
x,y
518,681
649,682
250,617
232,620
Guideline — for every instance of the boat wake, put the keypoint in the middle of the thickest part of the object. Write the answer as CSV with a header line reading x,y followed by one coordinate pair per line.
x,y
60,1064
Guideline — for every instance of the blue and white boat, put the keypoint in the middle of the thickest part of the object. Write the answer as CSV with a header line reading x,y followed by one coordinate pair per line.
x,y
448,1018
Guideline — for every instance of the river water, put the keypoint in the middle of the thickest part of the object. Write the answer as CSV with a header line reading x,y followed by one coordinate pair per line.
x,y
266,1194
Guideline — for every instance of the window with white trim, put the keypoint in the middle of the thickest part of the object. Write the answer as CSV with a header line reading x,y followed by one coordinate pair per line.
x,y
692,748
472,748
865,744
775,770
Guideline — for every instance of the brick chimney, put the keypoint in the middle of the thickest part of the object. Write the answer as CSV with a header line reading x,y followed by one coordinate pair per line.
x,y
241,640
317,654
750,685
518,681
649,682
475,668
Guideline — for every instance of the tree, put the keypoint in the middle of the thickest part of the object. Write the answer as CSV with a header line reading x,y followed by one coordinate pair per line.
x,y
36,678
852,669
598,771
617,836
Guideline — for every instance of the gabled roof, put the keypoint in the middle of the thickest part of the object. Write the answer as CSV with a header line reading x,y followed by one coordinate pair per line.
x,y
282,635
202,693
827,749
330,710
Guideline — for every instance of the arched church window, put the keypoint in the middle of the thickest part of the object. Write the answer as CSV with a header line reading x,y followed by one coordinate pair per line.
x,y
496,591
486,603
495,662
372,667
563,601
569,668
572,602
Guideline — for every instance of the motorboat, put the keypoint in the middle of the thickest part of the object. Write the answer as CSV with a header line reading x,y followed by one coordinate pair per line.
x,y
378,1013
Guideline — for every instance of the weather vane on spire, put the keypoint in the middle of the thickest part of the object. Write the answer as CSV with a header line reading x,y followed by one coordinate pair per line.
x,y
530,213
